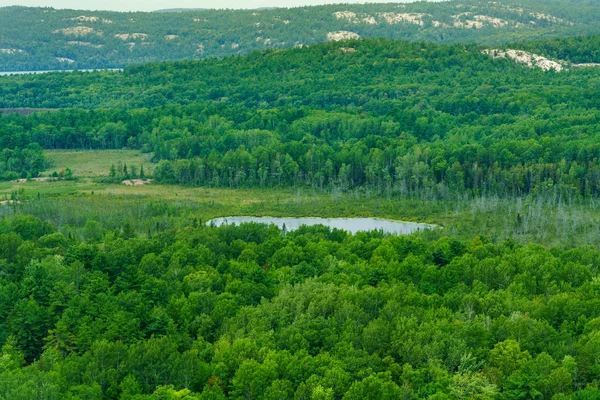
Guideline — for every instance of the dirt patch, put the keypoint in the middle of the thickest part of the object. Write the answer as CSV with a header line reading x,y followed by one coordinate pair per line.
x,y
11,51
370,20
529,59
495,22
85,44
137,182
342,35
77,31
469,23
477,21
586,65
131,36
8,202
411,18
549,18
23,180
65,60
83,18
347,15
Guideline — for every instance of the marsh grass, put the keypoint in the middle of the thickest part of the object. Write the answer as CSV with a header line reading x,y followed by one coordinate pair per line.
x,y
70,204
157,207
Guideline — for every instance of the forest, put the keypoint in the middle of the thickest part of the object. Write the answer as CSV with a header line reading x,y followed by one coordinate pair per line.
x,y
128,291
255,313
411,119
74,39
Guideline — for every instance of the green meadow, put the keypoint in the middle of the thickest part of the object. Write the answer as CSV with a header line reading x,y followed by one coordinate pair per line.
x,y
91,163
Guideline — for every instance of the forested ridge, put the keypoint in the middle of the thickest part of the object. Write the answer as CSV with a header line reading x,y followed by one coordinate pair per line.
x,y
67,39
416,119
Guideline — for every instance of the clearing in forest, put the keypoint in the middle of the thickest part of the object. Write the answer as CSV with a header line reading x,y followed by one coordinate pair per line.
x,y
93,163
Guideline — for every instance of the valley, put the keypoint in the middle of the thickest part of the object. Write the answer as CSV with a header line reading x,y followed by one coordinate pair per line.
x,y
414,190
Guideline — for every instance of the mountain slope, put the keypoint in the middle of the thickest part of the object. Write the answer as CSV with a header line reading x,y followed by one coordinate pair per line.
x,y
66,39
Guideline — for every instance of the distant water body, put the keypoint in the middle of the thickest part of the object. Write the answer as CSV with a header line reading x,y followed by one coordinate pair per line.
x,y
351,225
59,70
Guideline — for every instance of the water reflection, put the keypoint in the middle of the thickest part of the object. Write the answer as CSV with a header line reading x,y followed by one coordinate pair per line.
x,y
351,225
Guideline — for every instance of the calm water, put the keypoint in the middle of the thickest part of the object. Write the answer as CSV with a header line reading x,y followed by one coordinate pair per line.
x,y
351,225
62,70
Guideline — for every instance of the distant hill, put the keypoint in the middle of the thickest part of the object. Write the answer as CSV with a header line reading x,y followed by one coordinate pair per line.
x,y
45,38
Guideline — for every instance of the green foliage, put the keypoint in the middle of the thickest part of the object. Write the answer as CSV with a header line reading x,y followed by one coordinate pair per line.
x,y
133,297
374,387
182,315
472,386
20,159
576,50
415,120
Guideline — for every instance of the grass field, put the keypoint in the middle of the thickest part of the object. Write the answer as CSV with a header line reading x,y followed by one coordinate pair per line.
x,y
92,163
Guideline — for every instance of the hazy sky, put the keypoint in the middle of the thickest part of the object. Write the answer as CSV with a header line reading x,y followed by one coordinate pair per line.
x,y
151,5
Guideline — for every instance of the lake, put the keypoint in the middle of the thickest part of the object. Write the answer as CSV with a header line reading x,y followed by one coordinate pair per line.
x,y
351,225
60,70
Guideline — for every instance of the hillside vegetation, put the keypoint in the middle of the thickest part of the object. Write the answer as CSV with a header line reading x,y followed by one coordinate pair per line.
x,y
416,119
67,39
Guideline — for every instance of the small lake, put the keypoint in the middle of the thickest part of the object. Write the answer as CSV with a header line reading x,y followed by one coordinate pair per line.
x,y
351,225
58,70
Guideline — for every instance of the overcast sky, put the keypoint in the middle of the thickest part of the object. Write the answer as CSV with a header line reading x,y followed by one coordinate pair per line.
x,y
151,5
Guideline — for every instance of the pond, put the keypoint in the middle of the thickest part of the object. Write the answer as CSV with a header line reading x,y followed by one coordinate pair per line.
x,y
351,225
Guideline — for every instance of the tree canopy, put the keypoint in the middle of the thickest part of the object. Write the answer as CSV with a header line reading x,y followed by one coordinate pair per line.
x,y
416,119
253,312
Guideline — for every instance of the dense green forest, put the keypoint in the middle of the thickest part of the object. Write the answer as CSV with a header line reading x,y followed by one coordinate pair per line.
x,y
414,119
21,162
577,49
250,312
67,39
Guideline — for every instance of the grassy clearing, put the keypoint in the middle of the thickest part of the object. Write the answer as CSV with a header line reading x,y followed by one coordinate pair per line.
x,y
68,205
29,190
92,163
